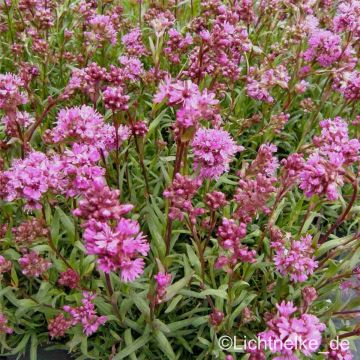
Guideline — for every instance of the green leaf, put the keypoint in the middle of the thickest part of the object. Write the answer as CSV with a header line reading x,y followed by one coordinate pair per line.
x,y
133,347
164,345
173,289
67,223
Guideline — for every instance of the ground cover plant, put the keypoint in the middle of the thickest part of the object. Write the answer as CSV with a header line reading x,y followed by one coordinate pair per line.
x,y
178,177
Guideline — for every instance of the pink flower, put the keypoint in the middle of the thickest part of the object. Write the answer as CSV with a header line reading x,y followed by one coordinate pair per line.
x,y
29,231
101,203
340,352
4,328
180,193
11,95
88,80
32,264
140,128
291,169
260,82
179,92
133,43
286,327
324,46
213,151
5,265
77,169
14,121
115,99
230,234
101,30
69,278
215,200
30,178
348,17
85,125
117,248
58,326
265,162
322,176
176,45
334,139
86,315
252,196
295,259
163,280
309,295
349,85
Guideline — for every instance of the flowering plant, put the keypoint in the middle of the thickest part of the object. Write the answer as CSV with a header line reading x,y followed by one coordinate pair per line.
x,y
175,172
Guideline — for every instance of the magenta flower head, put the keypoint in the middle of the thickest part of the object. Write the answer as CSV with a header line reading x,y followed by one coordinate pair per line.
x,y
213,151
295,259
69,278
324,47
115,99
285,326
32,264
322,176
30,178
117,248
163,280
4,328
58,326
85,315
101,203
10,94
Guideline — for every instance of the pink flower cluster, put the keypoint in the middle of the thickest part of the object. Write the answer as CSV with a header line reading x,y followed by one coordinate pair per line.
x,y
69,278
119,245
348,17
117,248
294,258
176,45
322,176
230,235
30,178
101,30
5,265
180,194
101,203
219,49
4,328
29,231
115,99
16,122
257,184
349,85
58,326
324,171
285,326
195,105
32,264
85,125
215,200
86,314
261,81
11,95
324,47
133,43
213,150
163,280
77,168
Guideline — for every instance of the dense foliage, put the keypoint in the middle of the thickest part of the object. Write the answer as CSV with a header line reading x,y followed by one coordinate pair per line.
x,y
176,176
